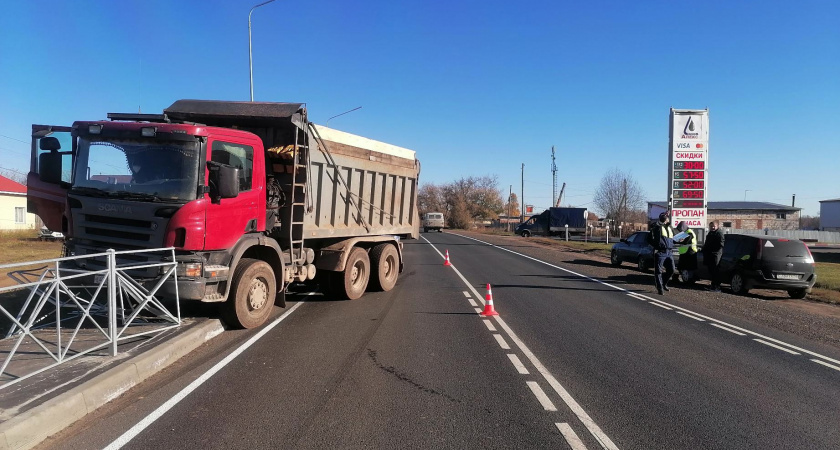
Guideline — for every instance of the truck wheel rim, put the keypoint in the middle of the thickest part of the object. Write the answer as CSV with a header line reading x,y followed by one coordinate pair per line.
x,y
389,266
257,294
357,273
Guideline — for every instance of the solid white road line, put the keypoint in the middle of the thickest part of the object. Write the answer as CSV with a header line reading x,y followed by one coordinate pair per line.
x,y
727,329
518,364
162,409
837,368
710,319
776,346
501,341
637,296
541,397
489,325
559,389
691,316
571,437
472,302
590,424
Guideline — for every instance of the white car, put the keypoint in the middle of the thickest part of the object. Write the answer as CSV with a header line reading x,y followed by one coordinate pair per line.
x,y
47,235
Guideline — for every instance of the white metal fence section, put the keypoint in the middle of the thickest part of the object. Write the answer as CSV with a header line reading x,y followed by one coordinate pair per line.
x,y
824,237
62,296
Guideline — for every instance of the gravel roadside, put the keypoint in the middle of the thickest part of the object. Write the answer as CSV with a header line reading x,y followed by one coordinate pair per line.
x,y
809,319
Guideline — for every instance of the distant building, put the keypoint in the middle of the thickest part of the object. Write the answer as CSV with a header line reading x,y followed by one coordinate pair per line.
x,y
744,215
13,215
830,215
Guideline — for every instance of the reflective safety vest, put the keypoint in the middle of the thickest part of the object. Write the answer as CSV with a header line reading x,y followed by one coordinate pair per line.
x,y
693,246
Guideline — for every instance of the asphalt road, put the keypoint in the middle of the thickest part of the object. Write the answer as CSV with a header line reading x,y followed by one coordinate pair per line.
x,y
416,367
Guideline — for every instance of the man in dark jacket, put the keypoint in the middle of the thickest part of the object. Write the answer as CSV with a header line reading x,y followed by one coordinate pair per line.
x,y
712,251
662,241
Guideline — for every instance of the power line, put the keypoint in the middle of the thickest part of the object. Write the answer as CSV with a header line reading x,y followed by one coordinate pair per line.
x,y
9,137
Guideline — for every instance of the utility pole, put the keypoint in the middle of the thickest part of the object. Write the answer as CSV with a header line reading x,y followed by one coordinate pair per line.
x,y
624,205
510,195
522,197
250,58
553,177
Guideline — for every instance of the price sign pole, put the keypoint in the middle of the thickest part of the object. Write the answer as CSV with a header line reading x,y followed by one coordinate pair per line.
x,y
688,166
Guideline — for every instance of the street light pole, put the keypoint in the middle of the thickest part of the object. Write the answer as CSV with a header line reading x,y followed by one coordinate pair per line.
x,y
250,59
745,193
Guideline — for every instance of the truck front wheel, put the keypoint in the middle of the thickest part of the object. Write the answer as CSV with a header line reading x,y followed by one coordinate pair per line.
x,y
385,267
351,283
252,294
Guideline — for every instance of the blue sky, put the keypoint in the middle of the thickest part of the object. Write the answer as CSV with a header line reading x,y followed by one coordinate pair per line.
x,y
475,87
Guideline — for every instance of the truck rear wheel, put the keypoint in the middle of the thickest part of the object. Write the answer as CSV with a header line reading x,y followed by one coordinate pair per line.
x,y
351,283
251,295
385,265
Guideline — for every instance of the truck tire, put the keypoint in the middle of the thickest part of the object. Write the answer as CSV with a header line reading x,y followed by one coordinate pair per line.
x,y
352,282
251,296
526,233
385,267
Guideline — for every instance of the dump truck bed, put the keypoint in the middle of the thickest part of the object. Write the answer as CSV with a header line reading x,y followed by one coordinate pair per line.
x,y
370,190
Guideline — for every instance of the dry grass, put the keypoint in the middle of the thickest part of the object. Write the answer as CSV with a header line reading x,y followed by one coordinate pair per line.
x,y
828,276
22,246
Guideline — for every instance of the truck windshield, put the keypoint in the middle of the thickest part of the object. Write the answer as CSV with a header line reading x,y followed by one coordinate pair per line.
x,y
137,169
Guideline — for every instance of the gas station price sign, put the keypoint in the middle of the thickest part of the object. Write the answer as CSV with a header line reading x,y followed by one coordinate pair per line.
x,y
690,175
690,184
688,166
693,193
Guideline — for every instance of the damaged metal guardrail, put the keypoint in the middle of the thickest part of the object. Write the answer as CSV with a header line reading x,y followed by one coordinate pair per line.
x,y
64,296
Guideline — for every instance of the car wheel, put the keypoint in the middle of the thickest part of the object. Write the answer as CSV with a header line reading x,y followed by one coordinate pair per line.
x,y
425,230
738,284
687,277
642,264
614,259
798,293
525,233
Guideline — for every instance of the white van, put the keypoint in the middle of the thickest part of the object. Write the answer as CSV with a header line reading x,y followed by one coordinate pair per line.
x,y
433,221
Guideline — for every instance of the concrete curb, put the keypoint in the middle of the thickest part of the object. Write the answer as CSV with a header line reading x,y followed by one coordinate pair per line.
x,y
31,427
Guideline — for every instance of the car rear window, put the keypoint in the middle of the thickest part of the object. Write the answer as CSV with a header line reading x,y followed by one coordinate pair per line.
x,y
783,248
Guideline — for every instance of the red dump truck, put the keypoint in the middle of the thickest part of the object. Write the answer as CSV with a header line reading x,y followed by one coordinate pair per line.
x,y
253,196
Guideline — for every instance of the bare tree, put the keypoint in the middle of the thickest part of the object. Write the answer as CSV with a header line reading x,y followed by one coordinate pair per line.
x,y
471,198
809,223
512,206
14,175
617,195
430,199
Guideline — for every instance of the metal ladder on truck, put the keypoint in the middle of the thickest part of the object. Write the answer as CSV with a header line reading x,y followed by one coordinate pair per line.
x,y
299,194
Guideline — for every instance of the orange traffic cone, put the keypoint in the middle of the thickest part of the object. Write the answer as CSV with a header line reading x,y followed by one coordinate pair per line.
x,y
488,304
446,260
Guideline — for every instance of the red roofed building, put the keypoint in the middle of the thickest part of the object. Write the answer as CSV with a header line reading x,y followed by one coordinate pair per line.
x,y
13,215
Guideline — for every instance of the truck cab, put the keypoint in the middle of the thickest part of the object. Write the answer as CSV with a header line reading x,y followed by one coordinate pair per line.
x,y
536,225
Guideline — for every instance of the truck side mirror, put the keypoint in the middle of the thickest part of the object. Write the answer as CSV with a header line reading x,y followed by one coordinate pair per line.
x,y
224,181
49,166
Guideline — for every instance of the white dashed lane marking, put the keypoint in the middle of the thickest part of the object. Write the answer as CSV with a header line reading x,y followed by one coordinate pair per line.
x,y
776,346
518,364
501,342
489,325
571,437
541,397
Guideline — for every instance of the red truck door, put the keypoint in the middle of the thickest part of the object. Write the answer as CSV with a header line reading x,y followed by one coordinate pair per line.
x,y
46,193
229,219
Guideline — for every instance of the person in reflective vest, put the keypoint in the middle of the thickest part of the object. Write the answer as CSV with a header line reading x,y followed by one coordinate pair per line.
x,y
661,238
687,250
